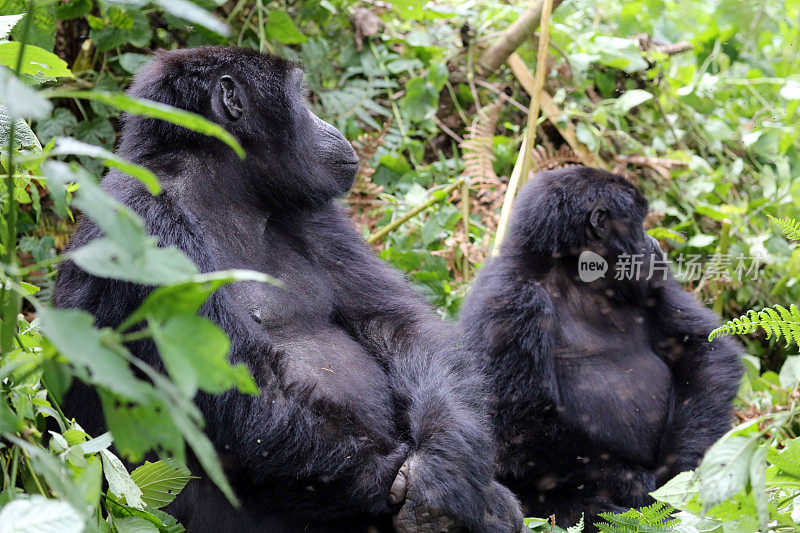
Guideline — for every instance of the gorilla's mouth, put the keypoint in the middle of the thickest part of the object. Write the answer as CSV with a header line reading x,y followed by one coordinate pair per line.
x,y
348,163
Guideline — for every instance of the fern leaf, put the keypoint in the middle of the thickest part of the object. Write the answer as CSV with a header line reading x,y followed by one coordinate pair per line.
x,y
777,322
577,528
477,147
789,226
651,519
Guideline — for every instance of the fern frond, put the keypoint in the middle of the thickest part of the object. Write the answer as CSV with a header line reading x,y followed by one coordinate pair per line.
x,y
776,321
651,519
789,226
477,147
548,158
577,528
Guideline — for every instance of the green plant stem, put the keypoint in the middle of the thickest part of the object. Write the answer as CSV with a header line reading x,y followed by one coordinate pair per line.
x,y
435,198
35,477
724,244
8,299
14,467
141,334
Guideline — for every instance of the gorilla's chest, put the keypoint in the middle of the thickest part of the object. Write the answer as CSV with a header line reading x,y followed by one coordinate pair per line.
x,y
613,384
306,298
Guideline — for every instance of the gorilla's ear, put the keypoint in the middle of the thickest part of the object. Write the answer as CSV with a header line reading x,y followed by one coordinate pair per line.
x,y
230,97
598,222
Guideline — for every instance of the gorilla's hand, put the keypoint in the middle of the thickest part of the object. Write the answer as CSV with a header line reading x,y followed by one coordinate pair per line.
x,y
425,509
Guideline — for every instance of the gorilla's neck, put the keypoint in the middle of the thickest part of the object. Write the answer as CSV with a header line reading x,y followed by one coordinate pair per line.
x,y
218,180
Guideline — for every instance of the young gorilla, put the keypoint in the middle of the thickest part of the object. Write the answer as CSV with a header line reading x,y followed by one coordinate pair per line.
x,y
602,390
367,399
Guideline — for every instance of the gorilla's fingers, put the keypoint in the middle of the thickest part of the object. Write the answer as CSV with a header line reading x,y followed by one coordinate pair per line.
x,y
399,489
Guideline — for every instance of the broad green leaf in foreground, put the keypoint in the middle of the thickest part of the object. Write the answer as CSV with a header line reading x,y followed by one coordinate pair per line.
x,y
126,252
148,108
87,349
36,62
160,481
70,146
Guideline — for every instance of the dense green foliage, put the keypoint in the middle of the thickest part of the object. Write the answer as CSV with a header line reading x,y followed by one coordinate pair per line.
x,y
696,102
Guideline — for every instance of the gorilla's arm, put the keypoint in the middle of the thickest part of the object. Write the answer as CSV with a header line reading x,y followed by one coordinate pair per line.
x,y
705,374
435,382
508,319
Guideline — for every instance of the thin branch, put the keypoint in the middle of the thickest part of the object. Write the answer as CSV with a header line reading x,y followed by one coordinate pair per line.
x,y
435,198
513,37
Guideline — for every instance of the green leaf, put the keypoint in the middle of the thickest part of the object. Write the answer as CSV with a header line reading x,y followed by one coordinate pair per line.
x,y
160,481
42,30
36,61
70,146
193,13
280,27
73,9
7,22
126,251
631,99
194,351
97,444
420,100
725,470
148,108
120,483
619,53
37,514
132,62
93,351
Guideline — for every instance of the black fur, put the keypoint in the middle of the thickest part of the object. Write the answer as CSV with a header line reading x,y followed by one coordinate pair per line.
x,y
356,373
604,390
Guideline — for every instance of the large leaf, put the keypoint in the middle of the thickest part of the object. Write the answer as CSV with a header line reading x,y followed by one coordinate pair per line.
x,y
36,62
725,470
160,481
94,352
70,146
194,350
148,108
37,514
126,251
134,524
23,135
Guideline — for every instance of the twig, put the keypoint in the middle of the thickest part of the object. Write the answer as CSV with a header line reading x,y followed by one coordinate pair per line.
x,y
644,161
448,131
675,48
435,198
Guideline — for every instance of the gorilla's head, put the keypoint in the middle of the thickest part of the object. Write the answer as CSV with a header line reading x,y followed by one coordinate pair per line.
x,y
561,213
293,157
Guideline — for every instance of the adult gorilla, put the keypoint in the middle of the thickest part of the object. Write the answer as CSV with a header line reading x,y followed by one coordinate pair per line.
x,y
358,377
603,388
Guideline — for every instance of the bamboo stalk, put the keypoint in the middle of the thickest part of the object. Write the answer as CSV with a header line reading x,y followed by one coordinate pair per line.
x,y
552,112
436,197
523,165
